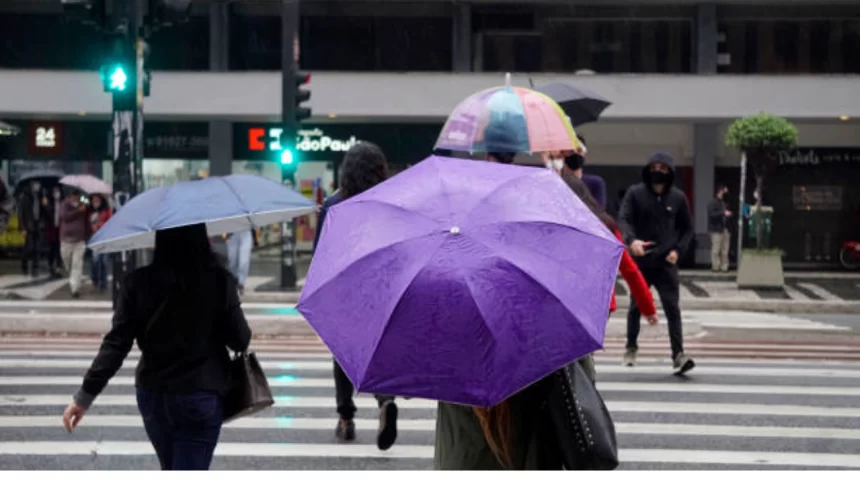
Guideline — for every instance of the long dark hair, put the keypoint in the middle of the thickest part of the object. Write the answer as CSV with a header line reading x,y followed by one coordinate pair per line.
x,y
364,167
581,191
185,255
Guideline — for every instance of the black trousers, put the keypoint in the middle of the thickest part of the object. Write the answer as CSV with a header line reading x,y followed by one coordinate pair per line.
x,y
667,282
55,262
344,392
32,252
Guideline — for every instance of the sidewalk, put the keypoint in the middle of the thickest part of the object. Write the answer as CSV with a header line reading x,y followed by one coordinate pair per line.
x,y
804,292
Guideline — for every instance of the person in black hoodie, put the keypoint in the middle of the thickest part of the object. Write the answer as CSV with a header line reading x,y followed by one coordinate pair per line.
x,y
655,221
184,312
364,166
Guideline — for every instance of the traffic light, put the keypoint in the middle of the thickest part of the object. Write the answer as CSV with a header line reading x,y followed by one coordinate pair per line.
x,y
302,95
88,12
166,13
115,77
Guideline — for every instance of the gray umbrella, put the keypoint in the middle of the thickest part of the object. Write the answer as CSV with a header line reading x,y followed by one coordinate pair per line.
x,y
46,177
581,105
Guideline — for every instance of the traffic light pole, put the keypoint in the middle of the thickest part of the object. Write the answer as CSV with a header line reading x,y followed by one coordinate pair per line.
x,y
127,125
289,30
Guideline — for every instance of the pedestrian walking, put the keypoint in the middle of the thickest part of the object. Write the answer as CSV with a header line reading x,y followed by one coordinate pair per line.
x,y
574,163
656,225
718,227
639,290
53,206
239,246
183,311
74,232
31,221
364,166
99,215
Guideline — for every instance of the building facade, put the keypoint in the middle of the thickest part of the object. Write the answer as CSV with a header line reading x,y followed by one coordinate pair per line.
x,y
678,72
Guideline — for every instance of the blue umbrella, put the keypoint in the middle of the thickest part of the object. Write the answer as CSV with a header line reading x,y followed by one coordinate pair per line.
x,y
225,204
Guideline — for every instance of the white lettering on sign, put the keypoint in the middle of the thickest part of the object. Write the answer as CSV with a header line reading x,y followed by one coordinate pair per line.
x,y
275,139
799,158
46,137
316,140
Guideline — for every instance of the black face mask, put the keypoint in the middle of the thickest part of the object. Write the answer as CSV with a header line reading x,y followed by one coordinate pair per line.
x,y
574,162
659,178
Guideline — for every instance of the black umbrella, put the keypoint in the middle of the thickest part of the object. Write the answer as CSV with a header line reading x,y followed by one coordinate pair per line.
x,y
581,105
45,177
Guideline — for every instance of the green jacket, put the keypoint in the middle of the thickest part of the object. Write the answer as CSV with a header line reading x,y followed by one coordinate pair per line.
x,y
460,443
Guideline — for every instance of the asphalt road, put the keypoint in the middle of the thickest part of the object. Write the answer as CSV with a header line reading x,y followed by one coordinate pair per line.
x,y
729,414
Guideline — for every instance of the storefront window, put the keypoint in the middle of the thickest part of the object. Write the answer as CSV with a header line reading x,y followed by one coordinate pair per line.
x,y
792,46
161,173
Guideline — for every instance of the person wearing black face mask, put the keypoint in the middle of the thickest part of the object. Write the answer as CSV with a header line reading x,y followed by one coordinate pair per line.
x,y
655,221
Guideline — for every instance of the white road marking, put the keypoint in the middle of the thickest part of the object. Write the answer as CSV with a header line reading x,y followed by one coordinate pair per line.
x,y
429,425
367,403
292,381
819,291
233,449
305,365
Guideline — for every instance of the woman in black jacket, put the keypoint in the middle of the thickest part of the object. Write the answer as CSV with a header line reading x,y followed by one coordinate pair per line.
x,y
364,166
184,312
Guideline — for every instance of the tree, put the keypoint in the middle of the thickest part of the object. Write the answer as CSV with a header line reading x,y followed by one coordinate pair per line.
x,y
761,137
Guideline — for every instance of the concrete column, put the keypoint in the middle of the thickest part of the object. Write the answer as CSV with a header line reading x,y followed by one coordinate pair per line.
x,y
706,39
462,41
220,132
704,134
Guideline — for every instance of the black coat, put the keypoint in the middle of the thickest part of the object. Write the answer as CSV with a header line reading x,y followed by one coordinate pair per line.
x,y
327,204
717,220
185,348
662,219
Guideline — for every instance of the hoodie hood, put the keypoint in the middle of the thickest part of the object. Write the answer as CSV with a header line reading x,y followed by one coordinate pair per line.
x,y
659,157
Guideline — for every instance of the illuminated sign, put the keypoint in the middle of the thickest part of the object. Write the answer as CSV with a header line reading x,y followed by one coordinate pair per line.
x,y
308,140
46,138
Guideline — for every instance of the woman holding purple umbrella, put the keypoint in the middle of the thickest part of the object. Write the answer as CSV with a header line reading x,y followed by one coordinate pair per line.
x,y
364,166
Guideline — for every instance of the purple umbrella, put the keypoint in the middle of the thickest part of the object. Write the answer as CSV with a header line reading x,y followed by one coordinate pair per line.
x,y
455,281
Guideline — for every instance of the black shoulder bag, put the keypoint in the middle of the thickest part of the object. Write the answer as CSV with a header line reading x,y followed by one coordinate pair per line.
x,y
584,429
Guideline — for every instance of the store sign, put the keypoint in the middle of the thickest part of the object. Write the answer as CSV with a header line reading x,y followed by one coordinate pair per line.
x,y
314,140
819,156
46,138
307,140
178,142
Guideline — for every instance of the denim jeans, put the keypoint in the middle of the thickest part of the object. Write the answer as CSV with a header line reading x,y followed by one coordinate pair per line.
x,y
99,271
183,428
239,247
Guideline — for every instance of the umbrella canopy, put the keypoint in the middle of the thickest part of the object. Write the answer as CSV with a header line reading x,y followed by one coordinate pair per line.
x,y
508,119
225,204
46,177
88,184
581,105
461,281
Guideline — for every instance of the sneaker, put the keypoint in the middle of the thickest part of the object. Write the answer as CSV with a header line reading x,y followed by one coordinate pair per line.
x,y
387,425
683,364
345,431
630,357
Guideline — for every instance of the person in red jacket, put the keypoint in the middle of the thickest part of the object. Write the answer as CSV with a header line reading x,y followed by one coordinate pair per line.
x,y
629,271
100,212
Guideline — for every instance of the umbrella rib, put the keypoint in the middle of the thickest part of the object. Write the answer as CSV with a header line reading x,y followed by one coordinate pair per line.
x,y
397,207
239,197
399,301
526,273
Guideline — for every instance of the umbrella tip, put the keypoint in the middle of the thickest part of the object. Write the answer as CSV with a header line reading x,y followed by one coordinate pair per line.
x,y
508,79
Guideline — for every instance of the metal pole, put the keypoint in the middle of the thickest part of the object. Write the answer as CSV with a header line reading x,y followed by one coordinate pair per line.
x,y
127,126
741,192
289,30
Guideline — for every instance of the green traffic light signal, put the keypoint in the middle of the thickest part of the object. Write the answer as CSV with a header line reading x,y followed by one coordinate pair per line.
x,y
287,157
118,79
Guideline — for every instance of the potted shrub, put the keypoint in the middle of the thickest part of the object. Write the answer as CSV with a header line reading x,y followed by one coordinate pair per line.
x,y
761,138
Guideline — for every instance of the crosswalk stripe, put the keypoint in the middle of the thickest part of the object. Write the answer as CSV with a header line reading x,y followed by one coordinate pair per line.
x,y
366,403
298,365
600,357
429,425
235,449
291,381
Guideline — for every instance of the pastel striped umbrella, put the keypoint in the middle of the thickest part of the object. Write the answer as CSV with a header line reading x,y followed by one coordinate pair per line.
x,y
508,119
